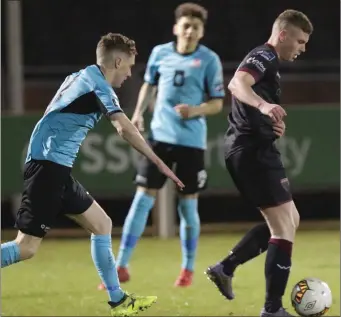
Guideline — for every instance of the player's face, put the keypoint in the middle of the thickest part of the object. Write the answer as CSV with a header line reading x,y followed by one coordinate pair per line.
x,y
294,42
123,64
189,30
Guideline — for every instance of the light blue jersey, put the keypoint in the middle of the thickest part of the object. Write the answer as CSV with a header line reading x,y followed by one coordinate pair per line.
x,y
75,109
182,79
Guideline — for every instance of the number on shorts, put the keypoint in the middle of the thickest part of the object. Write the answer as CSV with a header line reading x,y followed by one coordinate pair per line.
x,y
202,177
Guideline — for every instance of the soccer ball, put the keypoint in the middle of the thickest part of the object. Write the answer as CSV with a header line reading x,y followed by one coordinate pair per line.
x,y
311,297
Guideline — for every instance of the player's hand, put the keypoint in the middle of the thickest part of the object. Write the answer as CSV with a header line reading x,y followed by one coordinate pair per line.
x,y
279,128
275,112
138,122
164,169
185,111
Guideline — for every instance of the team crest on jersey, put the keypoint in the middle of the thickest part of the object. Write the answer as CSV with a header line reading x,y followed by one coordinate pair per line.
x,y
269,56
196,62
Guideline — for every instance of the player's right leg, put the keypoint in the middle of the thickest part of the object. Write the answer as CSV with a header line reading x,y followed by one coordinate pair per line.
x,y
133,228
254,243
148,180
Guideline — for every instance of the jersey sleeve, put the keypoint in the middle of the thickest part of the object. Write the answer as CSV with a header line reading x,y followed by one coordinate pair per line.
x,y
151,75
215,79
257,64
107,102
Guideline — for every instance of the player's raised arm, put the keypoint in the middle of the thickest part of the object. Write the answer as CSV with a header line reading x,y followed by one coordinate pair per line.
x,y
130,133
247,75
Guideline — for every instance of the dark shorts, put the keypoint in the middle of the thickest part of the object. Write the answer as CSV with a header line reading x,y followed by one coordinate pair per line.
x,y
189,162
260,177
49,189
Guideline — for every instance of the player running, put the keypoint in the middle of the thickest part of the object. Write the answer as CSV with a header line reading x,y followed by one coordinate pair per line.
x,y
189,82
254,162
49,187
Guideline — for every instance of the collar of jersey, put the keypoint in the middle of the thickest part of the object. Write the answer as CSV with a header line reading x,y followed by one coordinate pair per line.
x,y
99,68
186,54
272,48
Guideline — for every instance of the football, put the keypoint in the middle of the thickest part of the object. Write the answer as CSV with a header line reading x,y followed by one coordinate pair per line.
x,y
311,297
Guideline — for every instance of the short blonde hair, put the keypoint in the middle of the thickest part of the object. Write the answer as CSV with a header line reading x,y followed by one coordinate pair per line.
x,y
295,18
111,42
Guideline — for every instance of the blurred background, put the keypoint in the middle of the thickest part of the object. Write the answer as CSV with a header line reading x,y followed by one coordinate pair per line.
x,y
43,41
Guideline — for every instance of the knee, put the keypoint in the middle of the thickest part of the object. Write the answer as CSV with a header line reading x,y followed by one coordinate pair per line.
x,y
28,247
103,226
142,203
190,220
188,211
296,217
283,221
149,191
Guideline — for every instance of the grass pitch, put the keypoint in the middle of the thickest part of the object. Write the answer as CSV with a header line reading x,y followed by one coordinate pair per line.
x,y
62,281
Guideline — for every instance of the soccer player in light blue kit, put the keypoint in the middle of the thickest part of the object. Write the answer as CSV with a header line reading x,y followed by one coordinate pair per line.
x,y
49,187
189,82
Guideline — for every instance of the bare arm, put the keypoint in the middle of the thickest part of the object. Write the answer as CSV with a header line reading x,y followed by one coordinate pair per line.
x,y
146,96
130,133
240,87
211,107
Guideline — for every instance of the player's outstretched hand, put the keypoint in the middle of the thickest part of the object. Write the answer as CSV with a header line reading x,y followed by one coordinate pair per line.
x,y
275,112
138,122
279,128
164,169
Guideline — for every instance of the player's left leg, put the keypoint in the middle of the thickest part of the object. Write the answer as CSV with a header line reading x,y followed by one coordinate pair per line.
x,y
93,218
190,167
24,247
283,221
41,202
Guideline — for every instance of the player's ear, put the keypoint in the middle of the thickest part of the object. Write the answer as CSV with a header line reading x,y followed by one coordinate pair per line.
x,y
202,33
282,35
118,62
175,29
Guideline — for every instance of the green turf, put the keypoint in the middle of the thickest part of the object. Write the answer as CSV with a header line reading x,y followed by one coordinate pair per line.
x,y
61,279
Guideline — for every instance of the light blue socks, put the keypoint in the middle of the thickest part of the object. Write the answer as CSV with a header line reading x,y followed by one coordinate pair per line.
x,y
134,226
104,260
189,231
10,253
